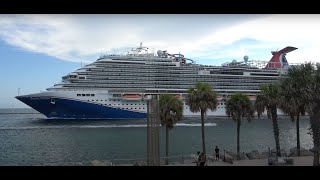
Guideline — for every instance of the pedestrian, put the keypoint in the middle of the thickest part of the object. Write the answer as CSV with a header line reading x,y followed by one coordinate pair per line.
x,y
217,153
202,159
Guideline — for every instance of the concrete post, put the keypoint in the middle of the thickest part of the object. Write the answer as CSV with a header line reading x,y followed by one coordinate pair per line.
x,y
153,131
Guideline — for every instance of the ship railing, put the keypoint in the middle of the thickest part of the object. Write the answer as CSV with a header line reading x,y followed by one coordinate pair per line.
x,y
128,55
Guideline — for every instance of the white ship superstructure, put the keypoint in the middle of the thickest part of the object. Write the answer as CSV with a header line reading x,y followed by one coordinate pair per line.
x,y
118,86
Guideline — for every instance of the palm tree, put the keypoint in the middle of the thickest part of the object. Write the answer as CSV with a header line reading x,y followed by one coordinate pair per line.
x,y
314,112
292,103
171,110
311,93
269,99
200,99
239,106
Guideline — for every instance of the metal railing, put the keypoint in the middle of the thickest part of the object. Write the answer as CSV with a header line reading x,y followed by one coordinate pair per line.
x,y
177,159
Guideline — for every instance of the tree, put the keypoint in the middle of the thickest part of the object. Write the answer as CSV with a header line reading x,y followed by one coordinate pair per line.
x,y
268,99
200,99
171,110
239,106
311,93
292,103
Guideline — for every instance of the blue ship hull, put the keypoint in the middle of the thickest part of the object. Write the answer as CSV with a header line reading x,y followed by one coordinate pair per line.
x,y
63,108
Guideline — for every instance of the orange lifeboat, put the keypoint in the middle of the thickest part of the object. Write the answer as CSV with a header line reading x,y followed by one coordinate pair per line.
x,y
131,97
219,98
253,98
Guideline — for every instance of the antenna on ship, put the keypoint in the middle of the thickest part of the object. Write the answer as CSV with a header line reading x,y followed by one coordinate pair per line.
x,y
18,91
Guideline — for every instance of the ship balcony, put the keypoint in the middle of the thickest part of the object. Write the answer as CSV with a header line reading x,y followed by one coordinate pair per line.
x,y
116,96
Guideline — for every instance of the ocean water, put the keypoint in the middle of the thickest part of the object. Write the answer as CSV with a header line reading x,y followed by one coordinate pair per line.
x,y
30,139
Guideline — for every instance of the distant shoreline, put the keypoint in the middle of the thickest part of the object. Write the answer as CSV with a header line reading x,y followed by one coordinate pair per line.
x,y
19,113
7,111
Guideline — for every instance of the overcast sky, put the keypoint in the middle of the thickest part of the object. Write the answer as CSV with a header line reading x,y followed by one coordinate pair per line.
x,y
42,48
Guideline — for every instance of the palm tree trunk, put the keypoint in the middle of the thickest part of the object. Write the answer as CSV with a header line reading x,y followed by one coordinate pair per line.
x,y
238,139
316,152
316,142
315,129
316,159
298,135
275,129
318,149
317,163
167,145
203,138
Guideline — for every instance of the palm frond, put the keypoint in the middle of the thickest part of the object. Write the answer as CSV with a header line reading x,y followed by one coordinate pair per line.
x,y
239,105
202,97
171,110
268,98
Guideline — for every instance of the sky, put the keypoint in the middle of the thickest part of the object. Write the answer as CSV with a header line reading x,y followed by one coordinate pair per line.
x,y
37,50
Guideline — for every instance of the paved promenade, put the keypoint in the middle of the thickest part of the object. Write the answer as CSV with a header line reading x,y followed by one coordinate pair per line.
x,y
298,161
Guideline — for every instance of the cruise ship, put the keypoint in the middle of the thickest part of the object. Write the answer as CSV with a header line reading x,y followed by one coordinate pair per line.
x,y
118,86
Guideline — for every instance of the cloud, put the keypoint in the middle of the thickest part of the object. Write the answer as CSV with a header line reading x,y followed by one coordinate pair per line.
x,y
201,37
270,32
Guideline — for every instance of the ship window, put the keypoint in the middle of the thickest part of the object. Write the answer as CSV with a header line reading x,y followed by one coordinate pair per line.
x,y
97,100
87,94
83,95
78,94
92,94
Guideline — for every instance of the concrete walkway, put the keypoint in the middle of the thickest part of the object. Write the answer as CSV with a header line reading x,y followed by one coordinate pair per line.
x,y
298,161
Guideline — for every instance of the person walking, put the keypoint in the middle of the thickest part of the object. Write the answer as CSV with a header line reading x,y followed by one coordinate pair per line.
x,y
217,153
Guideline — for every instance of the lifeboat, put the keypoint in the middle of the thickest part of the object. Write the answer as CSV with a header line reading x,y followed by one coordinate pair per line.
x,y
131,97
253,98
219,98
